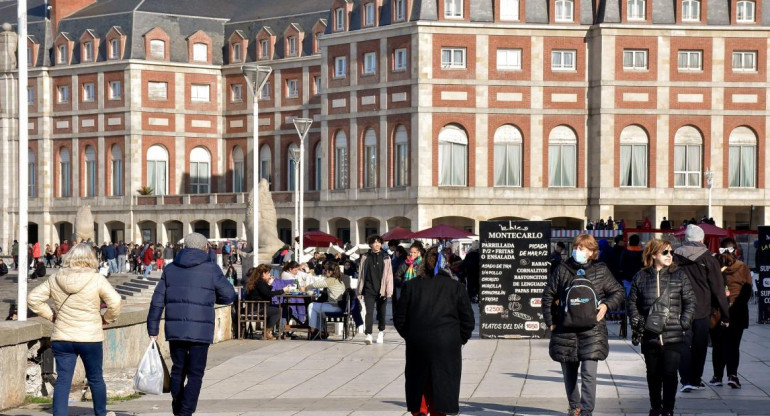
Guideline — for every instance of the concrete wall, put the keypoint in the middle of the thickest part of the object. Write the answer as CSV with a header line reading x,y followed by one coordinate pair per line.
x,y
124,344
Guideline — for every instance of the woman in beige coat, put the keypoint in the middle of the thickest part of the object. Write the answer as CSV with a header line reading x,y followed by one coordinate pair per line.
x,y
77,291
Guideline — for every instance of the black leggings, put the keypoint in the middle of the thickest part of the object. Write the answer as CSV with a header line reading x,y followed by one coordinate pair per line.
x,y
662,363
727,350
371,302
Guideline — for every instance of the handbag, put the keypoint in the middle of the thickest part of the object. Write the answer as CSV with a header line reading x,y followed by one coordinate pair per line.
x,y
714,318
656,317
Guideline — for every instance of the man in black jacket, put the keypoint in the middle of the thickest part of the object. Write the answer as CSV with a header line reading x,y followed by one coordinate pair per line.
x,y
707,283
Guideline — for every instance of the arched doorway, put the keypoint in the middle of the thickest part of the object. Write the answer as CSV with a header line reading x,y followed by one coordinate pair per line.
x,y
402,222
174,231
228,229
64,231
32,232
312,224
340,228
116,231
148,231
202,227
367,227
284,230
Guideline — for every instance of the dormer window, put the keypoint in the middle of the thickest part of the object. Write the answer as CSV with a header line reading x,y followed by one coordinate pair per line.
x,y
565,10
339,19
745,11
509,10
264,49
88,52
453,9
637,9
30,58
292,45
691,11
237,52
115,49
157,49
400,11
200,52
369,14
62,54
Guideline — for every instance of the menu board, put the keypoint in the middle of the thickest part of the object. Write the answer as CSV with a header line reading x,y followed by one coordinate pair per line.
x,y
763,285
514,269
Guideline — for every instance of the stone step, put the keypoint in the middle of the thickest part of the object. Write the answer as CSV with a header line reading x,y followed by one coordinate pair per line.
x,y
128,288
135,285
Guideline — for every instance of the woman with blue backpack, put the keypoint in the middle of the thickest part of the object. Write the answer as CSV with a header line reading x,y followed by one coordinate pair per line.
x,y
578,294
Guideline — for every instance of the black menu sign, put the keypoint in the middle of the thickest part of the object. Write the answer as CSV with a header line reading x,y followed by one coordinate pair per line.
x,y
514,269
763,285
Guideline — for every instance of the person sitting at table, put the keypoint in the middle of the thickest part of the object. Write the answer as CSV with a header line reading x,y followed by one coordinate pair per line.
x,y
260,288
293,271
335,288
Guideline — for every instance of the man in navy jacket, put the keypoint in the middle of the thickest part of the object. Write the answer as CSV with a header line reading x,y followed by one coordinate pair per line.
x,y
188,290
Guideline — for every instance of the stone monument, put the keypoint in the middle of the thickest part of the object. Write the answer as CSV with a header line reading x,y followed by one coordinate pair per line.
x,y
84,224
8,44
269,242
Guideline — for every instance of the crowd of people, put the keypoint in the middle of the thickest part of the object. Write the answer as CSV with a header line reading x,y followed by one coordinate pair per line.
x,y
645,224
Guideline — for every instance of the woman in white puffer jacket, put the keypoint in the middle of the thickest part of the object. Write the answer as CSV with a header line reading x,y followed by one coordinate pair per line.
x,y
77,291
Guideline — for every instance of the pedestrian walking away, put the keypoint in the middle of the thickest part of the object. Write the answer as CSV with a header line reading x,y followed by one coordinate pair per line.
x,y
578,348
375,286
660,283
188,290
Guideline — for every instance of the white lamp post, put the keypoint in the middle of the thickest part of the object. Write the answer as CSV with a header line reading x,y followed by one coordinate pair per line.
x,y
256,76
294,156
303,126
22,264
710,183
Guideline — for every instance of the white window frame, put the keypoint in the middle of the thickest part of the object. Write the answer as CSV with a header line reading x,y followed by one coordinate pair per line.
x,y
62,51
370,159
400,12
89,168
746,60
264,49
236,93
292,89
265,163
157,49
557,144
200,93
558,60
200,52
157,90
239,168
454,140
30,57
89,92
264,92
370,63
634,157
88,52
339,19
340,66
637,10
369,14
634,149
116,159
691,10
116,90
509,59
745,11
509,10
742,141
689,55
688,153
401,156
237,52
65,173
291,43
30,95
317,84
63,94
635,59
508,150
564,11
200,171
453,9
114,48
453,58
318,167
399,59
157,162
340,160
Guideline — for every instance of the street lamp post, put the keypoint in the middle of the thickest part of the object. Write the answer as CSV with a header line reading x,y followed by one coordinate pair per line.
x,y
303,126
294,155
710,183
256,76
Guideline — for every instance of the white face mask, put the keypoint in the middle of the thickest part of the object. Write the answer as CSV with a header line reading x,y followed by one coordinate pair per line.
x,y
580,256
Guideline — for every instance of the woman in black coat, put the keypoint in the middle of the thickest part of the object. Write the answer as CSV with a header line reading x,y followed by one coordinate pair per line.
x,y
435,318
661,278
580,348
260,288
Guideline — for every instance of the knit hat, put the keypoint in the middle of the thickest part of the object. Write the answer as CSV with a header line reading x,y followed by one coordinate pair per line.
x,y
694,233
196,240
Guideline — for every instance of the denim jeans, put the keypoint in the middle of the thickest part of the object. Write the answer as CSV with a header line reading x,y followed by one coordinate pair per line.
x,y
113,265
316,310
585,396
189,362
66,354
147,270
122,263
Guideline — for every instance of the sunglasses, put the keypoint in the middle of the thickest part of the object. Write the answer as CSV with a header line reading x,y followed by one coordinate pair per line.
x,y
724,250
667,252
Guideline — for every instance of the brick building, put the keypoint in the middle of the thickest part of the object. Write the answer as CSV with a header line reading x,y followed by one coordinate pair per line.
x,y
425,111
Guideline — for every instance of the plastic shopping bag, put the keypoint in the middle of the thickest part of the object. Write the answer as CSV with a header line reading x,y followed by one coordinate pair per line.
x,y
150,375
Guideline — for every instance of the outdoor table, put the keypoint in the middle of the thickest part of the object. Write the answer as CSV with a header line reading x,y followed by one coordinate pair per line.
x,y
295,302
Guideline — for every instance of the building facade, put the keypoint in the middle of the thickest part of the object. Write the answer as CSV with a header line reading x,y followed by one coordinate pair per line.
x,y
425,112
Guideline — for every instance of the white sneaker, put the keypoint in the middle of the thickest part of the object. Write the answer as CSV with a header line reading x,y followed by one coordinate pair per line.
x,y
368,340
380,337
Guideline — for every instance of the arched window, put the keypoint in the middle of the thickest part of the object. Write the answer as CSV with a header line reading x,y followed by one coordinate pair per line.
x,y
340,160
562,157
745,11
200,171
370,159
743,158
452,156
117,170
90,171
292,155
691,11
565,10
687,157
633,156
401,140
265,163
238,169
318,167
157,171
508,141
65,173
31,173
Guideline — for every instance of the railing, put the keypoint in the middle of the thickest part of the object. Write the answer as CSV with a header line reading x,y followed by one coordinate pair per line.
x,y
190,199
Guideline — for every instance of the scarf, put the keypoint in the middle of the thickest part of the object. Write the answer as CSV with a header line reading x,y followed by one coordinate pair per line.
x,y
410,274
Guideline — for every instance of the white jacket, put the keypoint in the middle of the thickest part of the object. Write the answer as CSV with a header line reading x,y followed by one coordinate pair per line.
x,y
78,317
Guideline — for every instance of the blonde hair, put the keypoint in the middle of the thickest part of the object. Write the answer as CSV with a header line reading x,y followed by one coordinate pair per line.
x,y
652,248
80,256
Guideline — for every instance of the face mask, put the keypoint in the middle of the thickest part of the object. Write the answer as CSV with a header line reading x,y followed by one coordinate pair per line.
x,y
579,256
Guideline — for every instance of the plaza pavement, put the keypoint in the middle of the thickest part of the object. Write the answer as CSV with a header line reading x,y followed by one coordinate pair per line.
x,y
500,377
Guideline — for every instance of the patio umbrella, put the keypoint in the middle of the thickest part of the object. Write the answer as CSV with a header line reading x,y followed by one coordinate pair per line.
x,y
442,232
318,239
712,235
397,233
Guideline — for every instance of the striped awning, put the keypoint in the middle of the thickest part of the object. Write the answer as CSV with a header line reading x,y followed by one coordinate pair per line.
x,y
595,233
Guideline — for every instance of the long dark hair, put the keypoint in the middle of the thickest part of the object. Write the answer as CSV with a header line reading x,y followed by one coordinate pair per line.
x,y
334,268
290,265
255,275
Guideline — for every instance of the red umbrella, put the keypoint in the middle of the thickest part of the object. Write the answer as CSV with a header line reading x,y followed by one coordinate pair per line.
x,y
318,239
442,232
397,233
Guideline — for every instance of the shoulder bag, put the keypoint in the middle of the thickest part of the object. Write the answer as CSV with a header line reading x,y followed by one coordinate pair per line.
x,y
656,317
